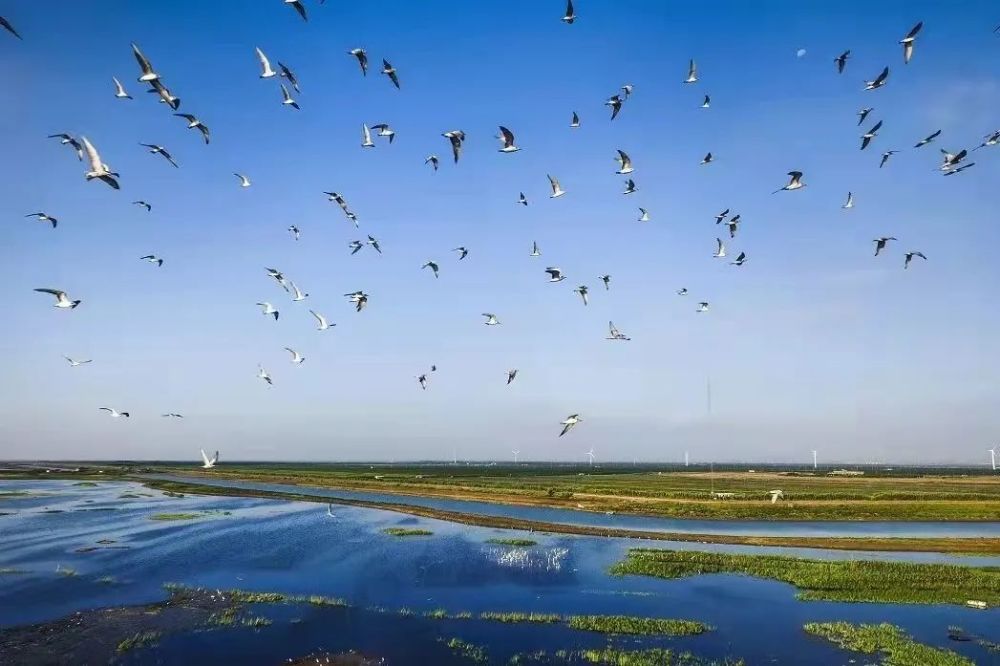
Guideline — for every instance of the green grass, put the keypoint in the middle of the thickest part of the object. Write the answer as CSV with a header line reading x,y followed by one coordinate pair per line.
x,y
437,614
896,647
139,640
649,657
512,617
623,624
225,618
512,542
470,651
174,516
406,532
317,600
835,580
255,621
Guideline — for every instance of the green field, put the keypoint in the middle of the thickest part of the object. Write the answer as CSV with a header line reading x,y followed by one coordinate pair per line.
x,y
886,640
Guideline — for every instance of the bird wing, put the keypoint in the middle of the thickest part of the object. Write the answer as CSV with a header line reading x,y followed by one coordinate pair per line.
x,y
284,93
141,59
204,457
265,64
913,31
554,182
507,135
55,292
92,155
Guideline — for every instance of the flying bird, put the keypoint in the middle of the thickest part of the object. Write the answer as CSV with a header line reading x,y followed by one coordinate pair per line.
x,y
606,279
462,252
359,298
643,214
362,57
740,260
575,122
433,161
355,246
507,138
707,159
43,217
615,334
555,274
194,123
244,181
630,187
148,74
321,323
733,224
535,252
624,163
841,61
885,157
152,259
431,265
172,415
265,65
867,137
294,230
720,250
707,102
209,463
98,169
568,18
702,307
278,277
491,319
795,183
366,137
114,412
615,102
268,309
166,97
850,201
568,424
385,131
682,291
521,199
692,76
390,71
511,374
422,380
928,139
9,28
120,89
297,294
627,89
583,291
67,140
297,358
863,113
989,140
881,242
557,191
456,138
951,160
286,98
62,300
73,363
879,80
908,257
374,243
952,172
299,7
262,374
721,216
159,150
909,41
286,73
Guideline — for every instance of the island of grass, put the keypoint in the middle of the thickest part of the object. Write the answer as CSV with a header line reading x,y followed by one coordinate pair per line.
x,y
624,624
897,648
514,617
174,516
406,532
139,640
833,580
521,543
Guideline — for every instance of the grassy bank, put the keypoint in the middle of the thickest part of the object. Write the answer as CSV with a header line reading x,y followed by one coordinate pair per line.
x,y
887,640
970,546
624,624
521,543
406,532
841,580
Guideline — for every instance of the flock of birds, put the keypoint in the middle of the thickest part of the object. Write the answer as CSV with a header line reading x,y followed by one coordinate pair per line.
x,y
953,163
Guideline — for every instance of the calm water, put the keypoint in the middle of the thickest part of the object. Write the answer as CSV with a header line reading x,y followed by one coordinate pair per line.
x,y
296,548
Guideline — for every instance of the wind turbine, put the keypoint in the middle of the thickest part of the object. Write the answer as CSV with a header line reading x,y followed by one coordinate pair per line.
x,y
590,454
993,458
515,452
814,458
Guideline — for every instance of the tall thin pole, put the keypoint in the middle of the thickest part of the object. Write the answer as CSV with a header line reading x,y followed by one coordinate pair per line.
x,y
686,459
814,459
993,458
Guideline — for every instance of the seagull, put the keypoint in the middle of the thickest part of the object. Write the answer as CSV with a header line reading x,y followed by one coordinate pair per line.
x,y
342,202
172,415
290,75
244,181
209,462
867,137
841,61
374,243
278,277
462,252
329,510
583,291
928,139
74,363
989,140
366,137
422,379
575,122
294,230
385,131
692,76
606,279
643,214
794,184
740,260
114,412
265,65
776,495
166,97
159,150
120,89
268,309
359,298
42,217
297,358
511,374
863,113
507,137
523,200
630,187
733,225
908,257
286,98
950,160
721,216
147,206
908,42
355,246
9,28
615,102
535,252
885,157
362,57
298,295
880,243
148,74
433,161
62,300
707,159
152,259
262,374
615,334
98,169
879,80
456,138
194,123
67,140
555,274
568,424
707,102
299,7
720,250
321,323
568,18
557,191
390,71
702,307
431,265
952,172
627,89
682,291
625,163
491,319
850,201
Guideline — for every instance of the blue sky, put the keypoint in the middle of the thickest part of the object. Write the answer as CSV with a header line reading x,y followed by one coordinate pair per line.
x,y
814,343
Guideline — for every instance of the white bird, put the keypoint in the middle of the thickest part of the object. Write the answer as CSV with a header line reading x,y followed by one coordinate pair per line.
x,y
850,201
68,140
692,76
366,137
268,309
262,374
555,274
297,293
278,277
298,7
355,246
166,97
491,319
570,14
385,131
321,323
244,181
144,204
120,89
733,224
988,140
507,138
374,243
431,265
362,57
720,250
624,162
209,463
867,137
707,102
462,252
615,334
928,139
740,259
682,291
359,298
153,259
909,41
568,424
160,150
422,380
776,495
557,191
575,122
628,89
62,300
951,160
286,98
707,159
878,81
881,242
863,113
265,65
98,169
630,187
606,279
114,412
73,363
721,216
294,231
297,358
908,257
194,123
795,183
702,307
148,74
390,71
643,214
615,102
885,157
535,252
511,374
433,161
456,138
952,172
583,291
329,510
43,217
286,73
523,200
